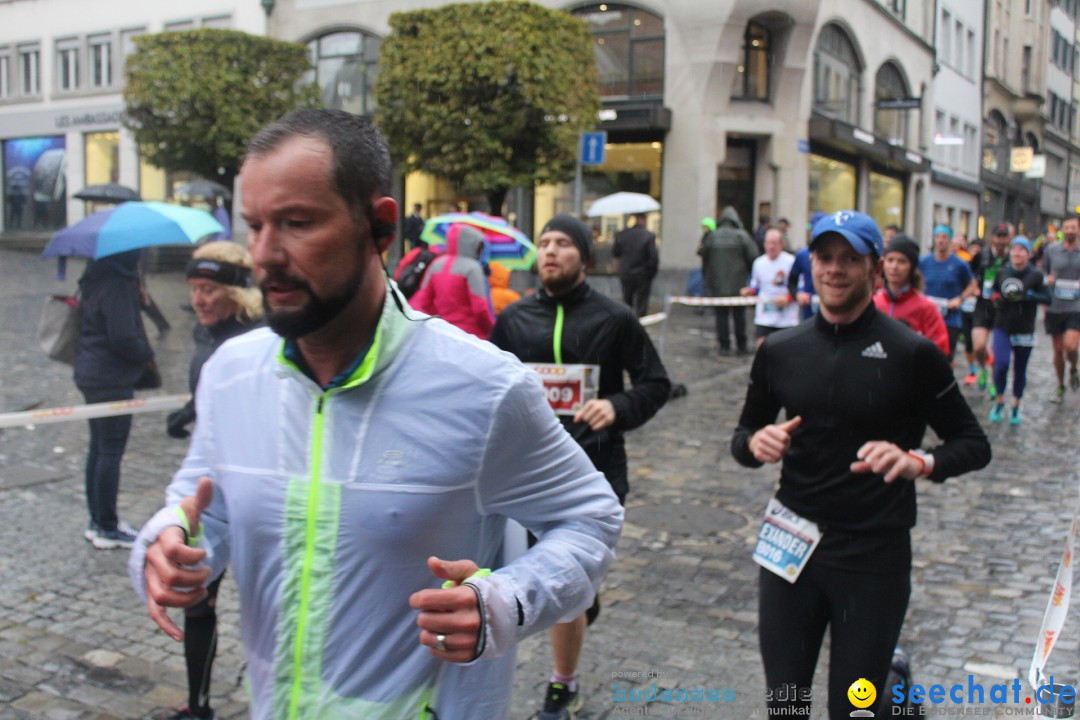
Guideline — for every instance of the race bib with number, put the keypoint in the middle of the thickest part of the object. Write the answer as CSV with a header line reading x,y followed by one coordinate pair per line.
x,y
568,387
786,541
1067,289
988,288
968,305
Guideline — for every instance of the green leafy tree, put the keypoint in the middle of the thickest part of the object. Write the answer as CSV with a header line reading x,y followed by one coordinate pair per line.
x,y
490,96
194,98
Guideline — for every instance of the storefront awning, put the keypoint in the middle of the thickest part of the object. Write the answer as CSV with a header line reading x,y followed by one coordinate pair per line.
x,y
856,141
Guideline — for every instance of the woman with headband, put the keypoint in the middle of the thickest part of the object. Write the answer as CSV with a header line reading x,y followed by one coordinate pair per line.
x,y
226,305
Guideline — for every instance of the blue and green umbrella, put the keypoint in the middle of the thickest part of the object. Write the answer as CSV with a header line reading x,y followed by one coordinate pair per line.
x,y
131,226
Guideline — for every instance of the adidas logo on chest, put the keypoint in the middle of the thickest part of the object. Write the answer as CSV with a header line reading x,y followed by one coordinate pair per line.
x,y
875,351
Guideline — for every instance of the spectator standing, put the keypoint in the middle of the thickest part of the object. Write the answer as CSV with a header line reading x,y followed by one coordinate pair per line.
x,y
638,262
414,227
113,355
727,255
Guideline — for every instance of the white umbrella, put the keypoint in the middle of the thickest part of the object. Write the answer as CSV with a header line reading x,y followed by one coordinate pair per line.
x,y
623,203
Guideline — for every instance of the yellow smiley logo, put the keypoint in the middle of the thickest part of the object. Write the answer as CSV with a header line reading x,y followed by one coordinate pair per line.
x,y
862,693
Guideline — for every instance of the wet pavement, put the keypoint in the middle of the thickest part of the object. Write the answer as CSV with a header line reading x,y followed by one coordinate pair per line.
x,y
679,604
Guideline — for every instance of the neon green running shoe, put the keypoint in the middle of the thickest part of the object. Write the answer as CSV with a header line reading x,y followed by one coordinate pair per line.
x,y
984,375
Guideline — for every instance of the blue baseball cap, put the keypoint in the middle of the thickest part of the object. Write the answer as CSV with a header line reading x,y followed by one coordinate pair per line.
x,y
1023,242
859,229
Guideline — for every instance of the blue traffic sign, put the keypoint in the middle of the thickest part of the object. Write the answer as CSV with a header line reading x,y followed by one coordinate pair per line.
x,y
591,150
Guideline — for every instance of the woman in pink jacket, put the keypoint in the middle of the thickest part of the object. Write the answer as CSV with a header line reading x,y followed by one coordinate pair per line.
x,y
900,297
455,287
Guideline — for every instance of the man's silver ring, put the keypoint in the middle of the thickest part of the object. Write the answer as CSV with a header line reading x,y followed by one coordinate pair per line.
x,y
440,642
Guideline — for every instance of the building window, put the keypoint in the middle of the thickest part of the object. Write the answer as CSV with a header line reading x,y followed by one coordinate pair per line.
x,y
753,72
180,25
30,70
832,184
996,143
223,22
969,64
67,65
890,85
886,200
5,75
837,71
127,40
629,45
897,7
102,157
101,64
345,67
35,183
946,37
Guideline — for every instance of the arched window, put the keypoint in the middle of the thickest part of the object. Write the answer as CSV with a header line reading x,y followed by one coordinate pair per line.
x,y
837,75
888,85
996,142
629,45
752,82
345,67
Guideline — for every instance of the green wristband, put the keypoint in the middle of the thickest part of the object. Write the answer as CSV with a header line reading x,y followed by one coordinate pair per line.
x,y
481,573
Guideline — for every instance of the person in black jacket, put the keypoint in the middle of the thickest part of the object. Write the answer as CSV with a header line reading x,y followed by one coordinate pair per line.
x,y
1017,290
638,262
113,354
858,390
569,326
219,279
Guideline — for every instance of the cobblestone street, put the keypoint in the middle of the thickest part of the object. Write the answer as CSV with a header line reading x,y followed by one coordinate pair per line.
x,y
680,604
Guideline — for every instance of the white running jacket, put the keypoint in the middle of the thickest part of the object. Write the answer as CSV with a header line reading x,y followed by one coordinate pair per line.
x,y
327,505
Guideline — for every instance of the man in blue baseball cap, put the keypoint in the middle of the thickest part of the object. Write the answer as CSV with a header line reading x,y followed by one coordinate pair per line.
x,y
857,389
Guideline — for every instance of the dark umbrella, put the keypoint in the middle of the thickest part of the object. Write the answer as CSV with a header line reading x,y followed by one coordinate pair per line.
x,y
108,193
204,189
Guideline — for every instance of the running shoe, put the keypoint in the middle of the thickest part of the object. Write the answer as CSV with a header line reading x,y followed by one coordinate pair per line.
x,y
970,379
1074,379
91,530
992,391
1059,395
1014,419
109,539
980,382
559,703
185,713
997,413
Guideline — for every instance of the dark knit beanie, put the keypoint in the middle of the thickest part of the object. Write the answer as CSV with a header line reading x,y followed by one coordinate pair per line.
x,y
576,230
906,246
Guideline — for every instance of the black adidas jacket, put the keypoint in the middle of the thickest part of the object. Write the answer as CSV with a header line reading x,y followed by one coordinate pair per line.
x,y
873,379
596,331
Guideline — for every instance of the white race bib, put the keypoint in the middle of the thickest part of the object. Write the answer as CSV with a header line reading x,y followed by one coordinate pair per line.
x,y
1067,289
968,305
568,387
786,541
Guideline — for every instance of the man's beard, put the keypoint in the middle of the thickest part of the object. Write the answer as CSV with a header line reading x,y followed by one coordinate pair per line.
x,y
317,312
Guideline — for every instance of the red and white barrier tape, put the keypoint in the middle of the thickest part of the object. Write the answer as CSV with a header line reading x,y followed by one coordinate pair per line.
x,y
156,403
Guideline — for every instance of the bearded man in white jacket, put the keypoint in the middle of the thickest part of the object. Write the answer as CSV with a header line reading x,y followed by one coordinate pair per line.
x,y
347,457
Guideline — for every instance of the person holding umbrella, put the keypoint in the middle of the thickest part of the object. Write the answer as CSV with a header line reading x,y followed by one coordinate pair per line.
x,y
113,355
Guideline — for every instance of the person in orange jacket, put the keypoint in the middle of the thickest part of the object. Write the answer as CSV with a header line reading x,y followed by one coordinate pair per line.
x,y
501,294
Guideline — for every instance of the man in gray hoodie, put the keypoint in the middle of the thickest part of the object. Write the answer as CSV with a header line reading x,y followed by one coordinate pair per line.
x,y
727,255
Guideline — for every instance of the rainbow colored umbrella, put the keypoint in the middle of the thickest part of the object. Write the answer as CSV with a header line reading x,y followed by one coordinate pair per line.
x,y
505,243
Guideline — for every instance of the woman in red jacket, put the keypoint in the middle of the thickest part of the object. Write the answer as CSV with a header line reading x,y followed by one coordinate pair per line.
x,y
900,297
